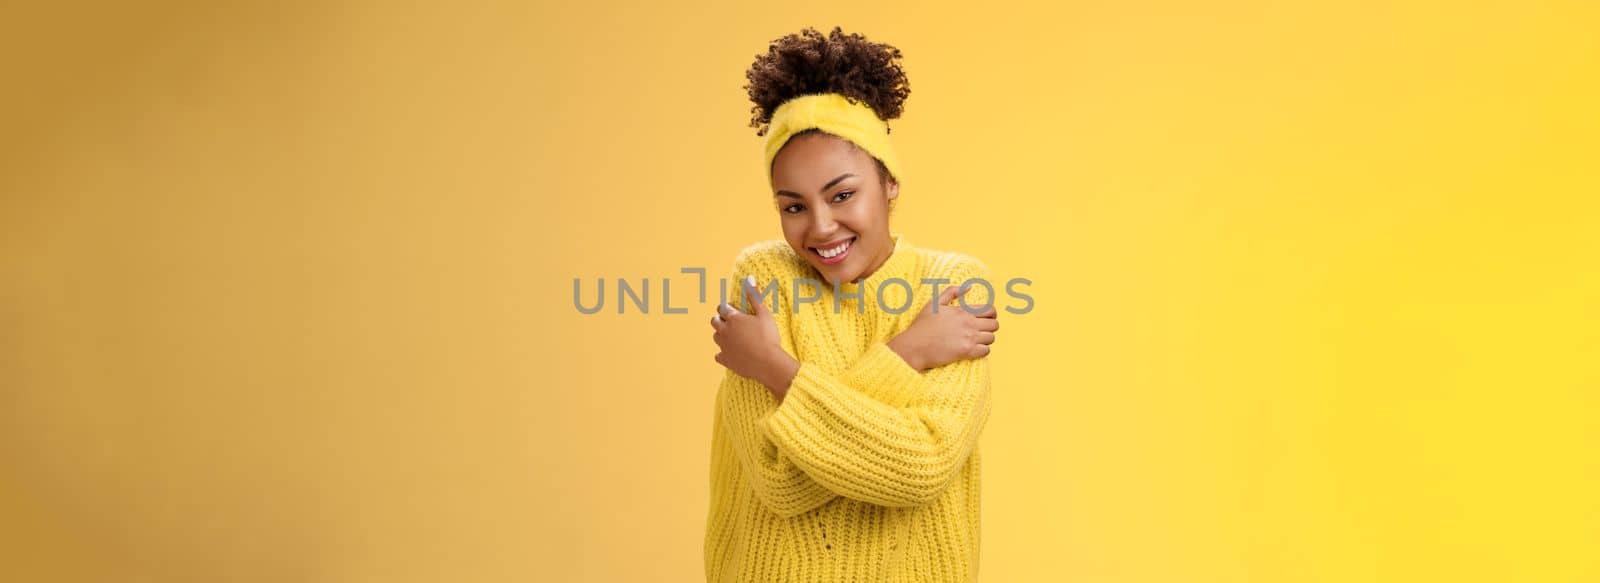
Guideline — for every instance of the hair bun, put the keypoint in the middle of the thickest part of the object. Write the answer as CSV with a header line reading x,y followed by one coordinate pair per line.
x,y
808,62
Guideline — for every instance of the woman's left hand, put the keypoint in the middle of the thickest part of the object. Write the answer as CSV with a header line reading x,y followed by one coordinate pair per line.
x,y
750,344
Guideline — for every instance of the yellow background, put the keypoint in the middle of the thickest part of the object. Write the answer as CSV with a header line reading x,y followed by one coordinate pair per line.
x,y
286,287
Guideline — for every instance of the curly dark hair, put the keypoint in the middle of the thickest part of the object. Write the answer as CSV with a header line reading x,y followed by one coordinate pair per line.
x,y
808,62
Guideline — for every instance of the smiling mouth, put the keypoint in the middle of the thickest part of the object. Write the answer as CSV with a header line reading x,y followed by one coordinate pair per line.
x,y
835,253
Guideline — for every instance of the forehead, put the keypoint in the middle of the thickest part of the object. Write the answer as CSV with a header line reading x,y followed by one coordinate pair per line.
x,y
807,162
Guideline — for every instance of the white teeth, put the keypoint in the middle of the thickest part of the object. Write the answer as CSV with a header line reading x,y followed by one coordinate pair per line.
x,y
834,251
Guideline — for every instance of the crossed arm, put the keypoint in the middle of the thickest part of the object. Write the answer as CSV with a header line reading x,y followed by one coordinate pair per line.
x,y
879,431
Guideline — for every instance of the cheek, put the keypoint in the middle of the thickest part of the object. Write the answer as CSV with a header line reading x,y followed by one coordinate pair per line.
x,y
867,213
794,229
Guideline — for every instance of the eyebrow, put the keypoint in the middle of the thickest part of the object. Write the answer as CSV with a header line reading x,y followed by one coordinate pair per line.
x,y
824,187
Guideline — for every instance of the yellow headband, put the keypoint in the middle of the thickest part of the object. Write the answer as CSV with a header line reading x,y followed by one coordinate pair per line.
x,y
835,114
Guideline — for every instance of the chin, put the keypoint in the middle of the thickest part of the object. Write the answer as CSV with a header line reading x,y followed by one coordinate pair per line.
x,y
843,276
830,273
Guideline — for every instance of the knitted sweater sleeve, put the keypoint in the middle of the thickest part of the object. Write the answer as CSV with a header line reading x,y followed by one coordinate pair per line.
x,y
881,431
743,402
778,483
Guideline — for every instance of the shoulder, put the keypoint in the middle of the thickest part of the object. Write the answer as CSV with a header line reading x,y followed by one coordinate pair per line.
x,y
953,265
957,269
773,262
772,257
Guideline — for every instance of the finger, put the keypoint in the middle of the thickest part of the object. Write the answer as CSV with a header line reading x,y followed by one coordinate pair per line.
x,y
980,350
717,322
753,298
986,338
989,312
718,358
988,324
944,298
948,295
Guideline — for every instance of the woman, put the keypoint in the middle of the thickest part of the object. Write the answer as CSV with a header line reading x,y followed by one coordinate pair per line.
x,y
845,438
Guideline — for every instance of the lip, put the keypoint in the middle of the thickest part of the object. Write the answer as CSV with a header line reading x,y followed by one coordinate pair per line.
x,y
836,258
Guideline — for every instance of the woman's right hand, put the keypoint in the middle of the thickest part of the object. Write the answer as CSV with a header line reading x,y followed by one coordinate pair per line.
x,y
950,334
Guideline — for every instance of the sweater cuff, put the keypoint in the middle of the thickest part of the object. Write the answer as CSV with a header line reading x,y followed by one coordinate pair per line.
x,y
881,373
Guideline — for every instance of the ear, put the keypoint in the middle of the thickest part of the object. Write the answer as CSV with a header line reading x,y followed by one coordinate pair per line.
x,y
894,190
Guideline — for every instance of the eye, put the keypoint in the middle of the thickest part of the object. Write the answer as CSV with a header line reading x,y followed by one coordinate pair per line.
x,y
843,196
793,208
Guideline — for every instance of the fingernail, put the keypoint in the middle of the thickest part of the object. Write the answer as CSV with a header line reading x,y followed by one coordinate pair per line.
x,y
750,280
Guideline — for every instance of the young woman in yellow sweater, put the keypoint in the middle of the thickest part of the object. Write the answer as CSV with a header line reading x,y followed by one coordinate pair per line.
x,y
845,441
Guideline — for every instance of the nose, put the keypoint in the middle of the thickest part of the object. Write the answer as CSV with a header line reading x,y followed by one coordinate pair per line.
x,y
822,225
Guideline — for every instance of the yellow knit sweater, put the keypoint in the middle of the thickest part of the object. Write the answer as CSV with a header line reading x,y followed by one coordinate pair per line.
x,y
869,469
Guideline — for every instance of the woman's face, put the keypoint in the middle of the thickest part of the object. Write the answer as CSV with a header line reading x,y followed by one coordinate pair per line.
x,y
833,207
